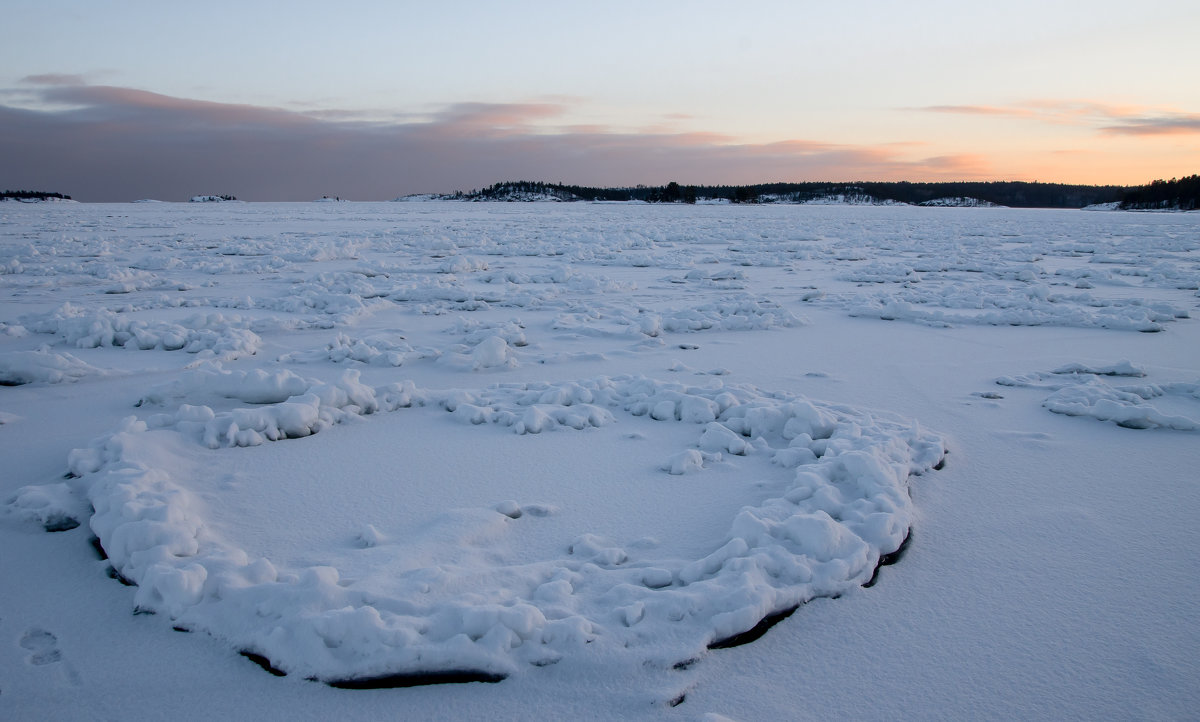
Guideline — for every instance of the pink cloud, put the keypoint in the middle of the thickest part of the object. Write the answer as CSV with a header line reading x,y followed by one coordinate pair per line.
x,y
98,101
54,79
505,115
112,143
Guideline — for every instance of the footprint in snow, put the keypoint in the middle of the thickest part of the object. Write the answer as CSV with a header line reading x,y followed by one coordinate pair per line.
x,y
987,399
1031,439
42,645
1025,435
43,650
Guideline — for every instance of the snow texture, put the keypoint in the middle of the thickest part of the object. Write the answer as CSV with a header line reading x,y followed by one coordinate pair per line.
x,y
581,447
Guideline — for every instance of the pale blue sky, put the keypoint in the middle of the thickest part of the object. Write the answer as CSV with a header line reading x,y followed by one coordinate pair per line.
x,y
1099,92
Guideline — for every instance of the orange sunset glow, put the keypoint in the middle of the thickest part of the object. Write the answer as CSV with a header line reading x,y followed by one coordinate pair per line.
x,y
433,101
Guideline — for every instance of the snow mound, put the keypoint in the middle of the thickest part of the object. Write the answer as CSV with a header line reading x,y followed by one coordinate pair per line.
x,y
375,350
1128,406
215,333
42,366
1028,303
843,505
1120,368
257,386
1079,389
744,312
54,506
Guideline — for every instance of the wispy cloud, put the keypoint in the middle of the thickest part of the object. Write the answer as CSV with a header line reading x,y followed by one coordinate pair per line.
x,y
1161,125
495,119
978,110
54,79
106,143
1106,118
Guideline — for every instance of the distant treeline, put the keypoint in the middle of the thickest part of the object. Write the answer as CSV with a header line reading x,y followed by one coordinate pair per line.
x,y
1005,193
1181,194
33,195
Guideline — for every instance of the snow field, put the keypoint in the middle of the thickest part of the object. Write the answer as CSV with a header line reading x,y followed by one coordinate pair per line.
x,y
574,446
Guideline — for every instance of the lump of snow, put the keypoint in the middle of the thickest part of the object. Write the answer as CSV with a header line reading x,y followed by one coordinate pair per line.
x,y
369,537
687,461
54,506
257,386
718,438
493,352
1121,368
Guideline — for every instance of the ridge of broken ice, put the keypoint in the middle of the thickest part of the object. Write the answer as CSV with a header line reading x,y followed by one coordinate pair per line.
x,y
846,506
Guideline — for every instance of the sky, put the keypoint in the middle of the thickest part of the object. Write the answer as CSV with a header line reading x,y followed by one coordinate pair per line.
x,y
370,100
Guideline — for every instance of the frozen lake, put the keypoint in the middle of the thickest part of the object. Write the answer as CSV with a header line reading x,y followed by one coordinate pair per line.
x,y
576,446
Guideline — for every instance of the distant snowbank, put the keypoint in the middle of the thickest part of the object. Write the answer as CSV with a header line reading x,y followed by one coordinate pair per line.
x,y
841,199
833,199
959,202
421,197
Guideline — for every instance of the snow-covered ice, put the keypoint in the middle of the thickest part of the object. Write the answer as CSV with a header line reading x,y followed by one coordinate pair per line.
x,y
595,451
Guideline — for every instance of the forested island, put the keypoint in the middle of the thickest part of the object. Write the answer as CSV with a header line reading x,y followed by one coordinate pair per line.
x,y
1178,194
32,196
